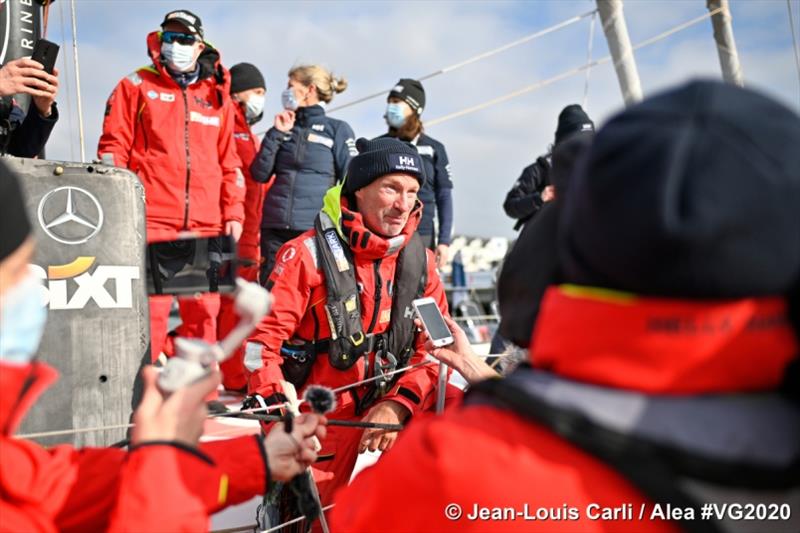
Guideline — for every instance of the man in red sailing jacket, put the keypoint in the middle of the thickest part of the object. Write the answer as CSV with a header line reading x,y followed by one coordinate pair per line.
x,y
664,390
165,481
357,272
248,90
172,124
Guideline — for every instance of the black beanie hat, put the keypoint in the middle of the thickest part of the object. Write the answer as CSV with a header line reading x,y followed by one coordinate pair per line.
x,y
692,193
13,217
572,119
246,76
379,157
411,92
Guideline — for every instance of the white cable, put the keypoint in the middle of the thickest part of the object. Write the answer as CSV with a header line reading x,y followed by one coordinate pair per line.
x,y
478,57
234,414
568,73
77,80
66,82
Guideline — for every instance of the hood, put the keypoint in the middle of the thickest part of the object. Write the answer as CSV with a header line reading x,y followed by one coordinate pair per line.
x,y
209,62
20,387
363,242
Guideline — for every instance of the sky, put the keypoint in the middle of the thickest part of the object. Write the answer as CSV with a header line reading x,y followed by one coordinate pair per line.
x,y
373,44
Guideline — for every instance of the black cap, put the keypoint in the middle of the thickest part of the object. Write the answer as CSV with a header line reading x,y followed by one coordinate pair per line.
x,y
246,76
411,92
692,193
187,18
379,157
13,217
571,120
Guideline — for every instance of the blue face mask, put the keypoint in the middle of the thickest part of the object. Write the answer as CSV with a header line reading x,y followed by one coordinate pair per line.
x,y
395,116
289,100
22,319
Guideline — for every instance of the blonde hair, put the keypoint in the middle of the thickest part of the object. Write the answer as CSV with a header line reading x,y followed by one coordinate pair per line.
x,y
326,83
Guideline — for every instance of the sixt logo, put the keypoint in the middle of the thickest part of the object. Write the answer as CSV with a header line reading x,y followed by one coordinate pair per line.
x,y
72,286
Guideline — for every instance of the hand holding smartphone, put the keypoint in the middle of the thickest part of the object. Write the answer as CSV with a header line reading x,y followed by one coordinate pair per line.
x,y
432,320
46,53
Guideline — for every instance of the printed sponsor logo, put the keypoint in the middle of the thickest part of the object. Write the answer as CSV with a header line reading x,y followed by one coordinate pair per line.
x,y
183,15
242,136
425,150
386,316
319,139
289,254
404,162
152,95
338,252
397,89
70,215
73,286
318,127
135,78
167,97
205,120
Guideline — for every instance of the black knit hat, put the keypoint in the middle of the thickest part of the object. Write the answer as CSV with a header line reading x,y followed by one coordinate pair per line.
x,y
572,119
411,92
187,18
692,193
246,76
13,217
379,157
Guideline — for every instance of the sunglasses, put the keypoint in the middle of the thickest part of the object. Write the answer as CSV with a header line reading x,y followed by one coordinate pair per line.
x,y
170,37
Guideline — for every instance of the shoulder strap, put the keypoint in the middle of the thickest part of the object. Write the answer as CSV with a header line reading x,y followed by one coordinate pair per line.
x,y
343,307
410,280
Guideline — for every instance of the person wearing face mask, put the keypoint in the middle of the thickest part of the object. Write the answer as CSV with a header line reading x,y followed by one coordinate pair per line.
x,y
172,123
248,91
307,152
405,105
165,481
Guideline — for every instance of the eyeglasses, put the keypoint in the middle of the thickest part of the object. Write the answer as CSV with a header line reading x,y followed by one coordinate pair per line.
x,y
170,37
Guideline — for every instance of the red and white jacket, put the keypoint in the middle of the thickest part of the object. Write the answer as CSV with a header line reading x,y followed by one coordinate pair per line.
x,y
180,143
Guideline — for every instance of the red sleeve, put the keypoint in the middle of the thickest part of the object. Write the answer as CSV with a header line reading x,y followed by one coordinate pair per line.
x,y
233,186
415,385
244,461
74,489
290,295
119,124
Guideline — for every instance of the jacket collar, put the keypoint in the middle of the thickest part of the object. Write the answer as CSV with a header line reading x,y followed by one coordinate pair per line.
x,y
664,346
304,114
20,387
361,240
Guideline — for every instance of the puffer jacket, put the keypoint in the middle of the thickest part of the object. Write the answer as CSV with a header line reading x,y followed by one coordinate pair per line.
x,y
306,162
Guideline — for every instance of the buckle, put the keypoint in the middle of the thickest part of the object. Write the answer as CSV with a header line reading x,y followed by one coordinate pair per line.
x,y
357,338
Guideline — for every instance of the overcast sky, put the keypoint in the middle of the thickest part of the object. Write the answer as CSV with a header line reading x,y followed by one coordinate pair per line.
x,y
374,43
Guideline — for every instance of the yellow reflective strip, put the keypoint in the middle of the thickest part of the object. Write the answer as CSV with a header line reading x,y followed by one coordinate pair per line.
x,y
597,293
222,496
149,68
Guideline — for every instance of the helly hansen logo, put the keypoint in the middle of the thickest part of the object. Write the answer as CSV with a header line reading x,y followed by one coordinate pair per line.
x,y
405,162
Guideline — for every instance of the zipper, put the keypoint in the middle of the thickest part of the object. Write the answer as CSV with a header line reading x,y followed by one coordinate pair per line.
x,y
378,287
298,153
188,157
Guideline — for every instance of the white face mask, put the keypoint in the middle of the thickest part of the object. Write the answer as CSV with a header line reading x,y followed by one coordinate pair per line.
x,y
254,107
180,57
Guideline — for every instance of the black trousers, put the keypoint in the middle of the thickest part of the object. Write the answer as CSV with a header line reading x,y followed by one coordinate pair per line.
x,y
271,241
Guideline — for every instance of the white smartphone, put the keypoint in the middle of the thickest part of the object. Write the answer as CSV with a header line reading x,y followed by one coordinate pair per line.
x,y
433,321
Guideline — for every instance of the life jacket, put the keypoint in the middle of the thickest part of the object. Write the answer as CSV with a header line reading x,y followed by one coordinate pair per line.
x,y
348,342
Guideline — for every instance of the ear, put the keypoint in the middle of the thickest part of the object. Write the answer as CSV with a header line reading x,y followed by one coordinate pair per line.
x,y
359,196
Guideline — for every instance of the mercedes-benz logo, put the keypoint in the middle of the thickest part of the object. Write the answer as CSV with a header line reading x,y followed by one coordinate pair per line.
x,y
70,215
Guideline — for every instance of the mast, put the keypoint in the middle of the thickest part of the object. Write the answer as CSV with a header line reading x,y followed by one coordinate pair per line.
x,y
619,44
726,46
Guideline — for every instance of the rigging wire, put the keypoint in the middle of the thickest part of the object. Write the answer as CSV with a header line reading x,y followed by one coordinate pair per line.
x,y
77,80
67,83
568,73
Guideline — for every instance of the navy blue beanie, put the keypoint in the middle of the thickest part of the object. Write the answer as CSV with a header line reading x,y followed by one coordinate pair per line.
x,y
379,157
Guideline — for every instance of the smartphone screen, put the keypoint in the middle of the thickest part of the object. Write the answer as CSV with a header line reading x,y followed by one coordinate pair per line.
x,y
434,322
